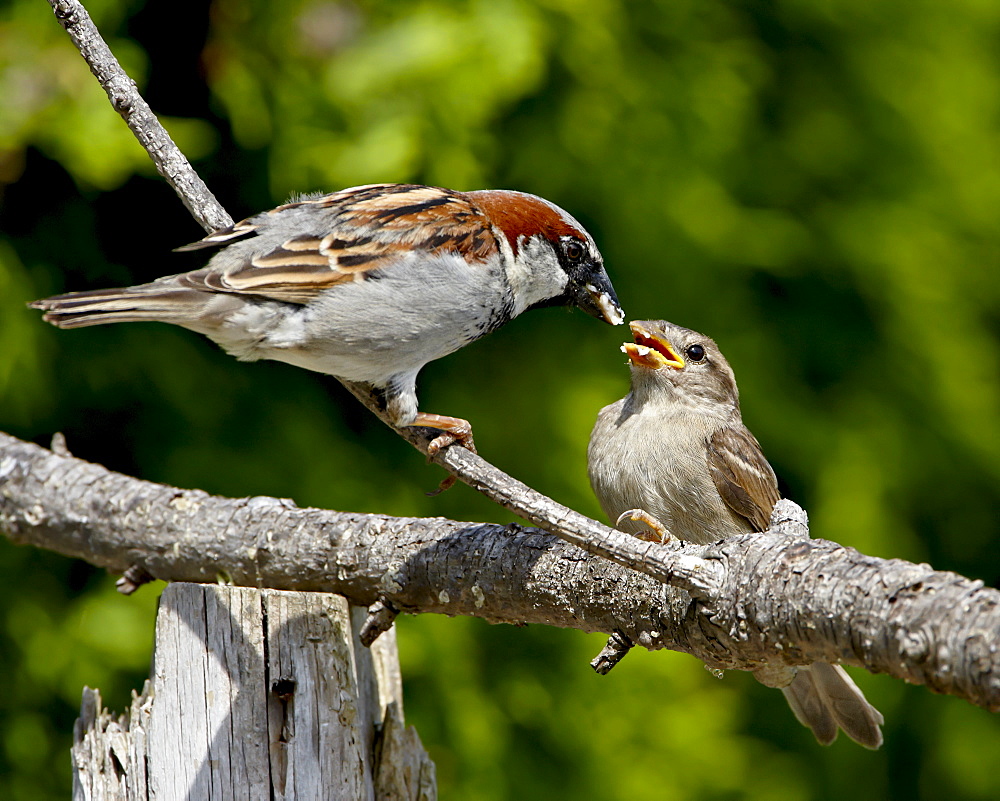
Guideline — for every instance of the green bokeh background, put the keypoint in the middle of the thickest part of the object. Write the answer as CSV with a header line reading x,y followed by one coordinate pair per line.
x,y
815,183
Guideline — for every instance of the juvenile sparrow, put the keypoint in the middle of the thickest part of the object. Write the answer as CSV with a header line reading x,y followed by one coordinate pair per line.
x,y
676,449
370,284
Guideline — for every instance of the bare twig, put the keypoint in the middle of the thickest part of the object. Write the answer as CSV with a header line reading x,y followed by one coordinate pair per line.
x,y
126,100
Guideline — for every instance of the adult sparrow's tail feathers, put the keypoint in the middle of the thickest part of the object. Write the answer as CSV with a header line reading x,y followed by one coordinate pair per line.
x,y
823,697
159,301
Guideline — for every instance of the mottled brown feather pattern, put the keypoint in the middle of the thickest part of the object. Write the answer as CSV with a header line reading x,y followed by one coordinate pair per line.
x,y
370,228
742,475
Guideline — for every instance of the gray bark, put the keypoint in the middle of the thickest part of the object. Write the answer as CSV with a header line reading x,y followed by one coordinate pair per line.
x,y
256,695
763,599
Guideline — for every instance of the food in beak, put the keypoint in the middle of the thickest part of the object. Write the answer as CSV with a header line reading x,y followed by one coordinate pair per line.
x,y
607,305
651,351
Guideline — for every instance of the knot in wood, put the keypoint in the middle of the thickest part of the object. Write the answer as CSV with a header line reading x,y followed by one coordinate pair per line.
x,y
914,646
283,689
65,12
797,550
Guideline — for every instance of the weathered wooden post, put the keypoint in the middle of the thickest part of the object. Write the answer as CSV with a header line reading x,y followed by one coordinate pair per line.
x,y
256,694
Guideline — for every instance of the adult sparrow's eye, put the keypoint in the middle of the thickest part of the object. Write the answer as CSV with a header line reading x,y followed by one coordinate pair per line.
x,y
695,353
574,251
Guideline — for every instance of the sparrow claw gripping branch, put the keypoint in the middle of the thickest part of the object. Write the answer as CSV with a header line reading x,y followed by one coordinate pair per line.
x,y
369,284
657,532
456,431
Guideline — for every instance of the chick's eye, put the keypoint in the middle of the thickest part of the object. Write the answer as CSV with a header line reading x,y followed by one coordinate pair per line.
x,y
574,251
695,353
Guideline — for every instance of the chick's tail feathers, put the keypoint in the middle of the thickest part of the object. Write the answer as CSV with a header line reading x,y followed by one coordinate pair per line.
x,y
147,302
824,698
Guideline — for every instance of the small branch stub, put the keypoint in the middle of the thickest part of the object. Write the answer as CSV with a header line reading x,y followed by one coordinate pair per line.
x,y
381,615
614,652
132,579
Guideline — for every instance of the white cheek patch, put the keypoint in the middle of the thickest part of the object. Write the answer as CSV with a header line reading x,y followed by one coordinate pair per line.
x,y
536,274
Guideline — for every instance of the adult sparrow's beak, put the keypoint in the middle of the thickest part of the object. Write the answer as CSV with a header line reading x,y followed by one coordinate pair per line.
x,y
607,304
597,297
650,350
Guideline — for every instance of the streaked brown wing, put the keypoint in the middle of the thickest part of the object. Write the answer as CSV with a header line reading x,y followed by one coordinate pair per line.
x,y
742,475
363,230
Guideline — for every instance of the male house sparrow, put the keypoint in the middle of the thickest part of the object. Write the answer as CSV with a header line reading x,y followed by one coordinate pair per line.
x,y
676,448
370,284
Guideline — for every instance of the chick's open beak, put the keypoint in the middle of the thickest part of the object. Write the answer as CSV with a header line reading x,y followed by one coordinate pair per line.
x,y
651,351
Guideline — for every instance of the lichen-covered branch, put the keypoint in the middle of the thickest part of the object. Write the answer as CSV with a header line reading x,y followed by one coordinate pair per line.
x,y
775,598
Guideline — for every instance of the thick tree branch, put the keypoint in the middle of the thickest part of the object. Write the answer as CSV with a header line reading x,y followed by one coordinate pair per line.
x,y
775,598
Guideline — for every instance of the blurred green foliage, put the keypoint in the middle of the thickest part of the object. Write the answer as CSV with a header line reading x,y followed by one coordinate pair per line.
x,y
815,184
